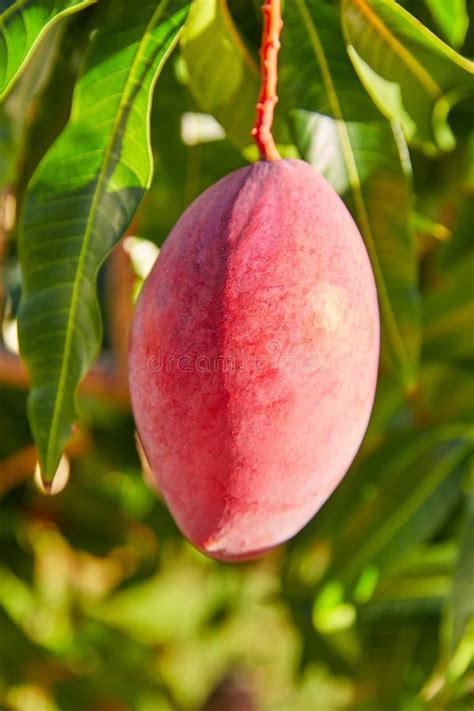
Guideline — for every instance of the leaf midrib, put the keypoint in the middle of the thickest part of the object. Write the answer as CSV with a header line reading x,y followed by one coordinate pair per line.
x,y
355,183
101,180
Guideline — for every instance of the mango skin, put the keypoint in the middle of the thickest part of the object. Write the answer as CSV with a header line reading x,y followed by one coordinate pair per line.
x,y
253,357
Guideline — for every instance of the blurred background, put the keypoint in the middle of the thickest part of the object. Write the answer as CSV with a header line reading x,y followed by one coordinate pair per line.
x,y
104,606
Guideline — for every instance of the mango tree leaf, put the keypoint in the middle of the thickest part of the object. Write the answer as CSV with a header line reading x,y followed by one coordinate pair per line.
x,y
8,150
419,584
412,76
79,203
17,651
449,313
224,78
445,394
408,595
182,171
343,135
22,26
461,602
469,165
393,499
451,18
411,484
151,611
15,111
53,106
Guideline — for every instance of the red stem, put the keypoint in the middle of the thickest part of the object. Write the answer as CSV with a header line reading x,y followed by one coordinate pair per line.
x,y
262,132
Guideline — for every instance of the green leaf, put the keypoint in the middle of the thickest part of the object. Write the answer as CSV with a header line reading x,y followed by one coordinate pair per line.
x,y
182,171
419,584
53,107
223,76
23,23
459,246
397,497
364,158
8,150
461,604
81,199
445,394
16,111
152,610
408,595
449,313
412,76
452,19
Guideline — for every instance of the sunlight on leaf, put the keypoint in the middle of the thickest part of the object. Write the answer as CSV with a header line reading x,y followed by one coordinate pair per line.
x,y
412,76
79,203
452,19
223,76
22,25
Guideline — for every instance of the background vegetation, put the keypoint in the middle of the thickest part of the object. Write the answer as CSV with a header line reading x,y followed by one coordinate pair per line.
x,y
103,605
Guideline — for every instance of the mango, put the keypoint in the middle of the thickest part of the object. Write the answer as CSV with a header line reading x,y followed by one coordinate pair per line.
x,y
253,357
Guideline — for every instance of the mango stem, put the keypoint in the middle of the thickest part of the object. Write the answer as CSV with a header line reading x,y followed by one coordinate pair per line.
x,y
262,131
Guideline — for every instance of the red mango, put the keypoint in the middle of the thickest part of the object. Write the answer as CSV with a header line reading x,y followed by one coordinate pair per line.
x,y
253,357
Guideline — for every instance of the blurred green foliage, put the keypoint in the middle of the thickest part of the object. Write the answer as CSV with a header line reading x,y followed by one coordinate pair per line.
x,y
103,605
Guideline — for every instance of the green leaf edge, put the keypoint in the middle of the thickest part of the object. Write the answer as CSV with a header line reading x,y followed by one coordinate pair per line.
x,y
48,464
441,103
60,15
